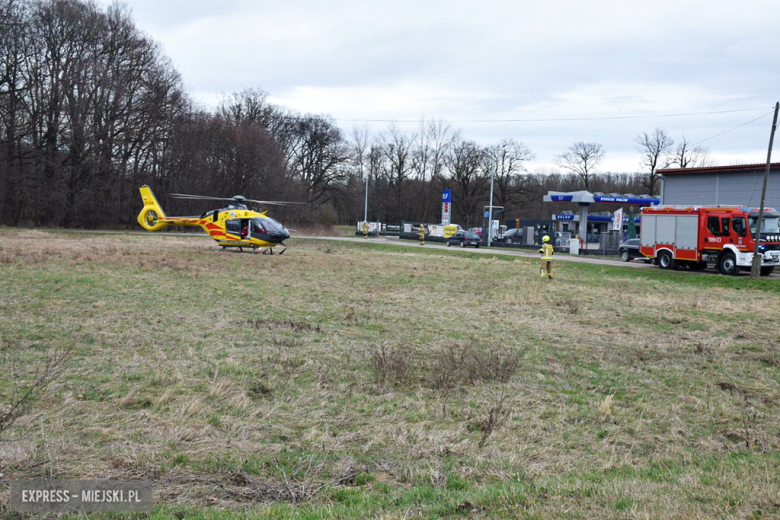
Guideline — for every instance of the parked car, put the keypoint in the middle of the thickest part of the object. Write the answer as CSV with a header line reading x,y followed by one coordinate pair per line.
x,y
464,238
512,236
629,250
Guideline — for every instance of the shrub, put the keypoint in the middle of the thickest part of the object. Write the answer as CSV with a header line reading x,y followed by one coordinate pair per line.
x,y
390,364
454,366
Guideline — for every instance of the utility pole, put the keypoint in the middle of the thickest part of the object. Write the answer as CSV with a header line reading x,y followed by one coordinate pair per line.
x,y
755,269
490,211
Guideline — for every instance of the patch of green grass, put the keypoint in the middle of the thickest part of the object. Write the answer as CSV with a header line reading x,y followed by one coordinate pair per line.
x,y
624,504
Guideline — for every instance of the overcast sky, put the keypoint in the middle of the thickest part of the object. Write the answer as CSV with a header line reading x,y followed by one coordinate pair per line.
x,y
493,60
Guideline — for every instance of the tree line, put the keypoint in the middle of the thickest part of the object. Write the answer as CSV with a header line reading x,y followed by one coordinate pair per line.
x,y
90,109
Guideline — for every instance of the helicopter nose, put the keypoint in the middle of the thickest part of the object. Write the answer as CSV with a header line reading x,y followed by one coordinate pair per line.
x,y
281,235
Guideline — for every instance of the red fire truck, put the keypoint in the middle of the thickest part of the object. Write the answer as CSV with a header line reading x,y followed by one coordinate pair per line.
x,y
697,236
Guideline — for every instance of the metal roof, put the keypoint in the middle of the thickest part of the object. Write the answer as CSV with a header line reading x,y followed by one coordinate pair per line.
x,y
717,169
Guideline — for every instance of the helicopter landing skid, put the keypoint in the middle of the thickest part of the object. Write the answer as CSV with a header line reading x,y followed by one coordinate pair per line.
x,y
240,249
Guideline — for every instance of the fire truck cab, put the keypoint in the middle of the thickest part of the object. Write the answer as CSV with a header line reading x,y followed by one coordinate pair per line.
x,y
698,236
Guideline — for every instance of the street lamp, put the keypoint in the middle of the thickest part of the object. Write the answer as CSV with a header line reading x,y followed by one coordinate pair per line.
x,y
365,211
490,212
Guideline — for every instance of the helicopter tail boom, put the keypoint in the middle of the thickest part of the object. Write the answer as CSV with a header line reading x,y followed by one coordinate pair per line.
x,y
152,216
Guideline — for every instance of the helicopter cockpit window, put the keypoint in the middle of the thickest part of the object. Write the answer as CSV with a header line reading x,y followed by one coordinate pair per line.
x,y
272,226
258,226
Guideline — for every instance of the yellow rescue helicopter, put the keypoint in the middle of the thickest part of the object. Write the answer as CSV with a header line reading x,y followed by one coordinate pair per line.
x,y
235,225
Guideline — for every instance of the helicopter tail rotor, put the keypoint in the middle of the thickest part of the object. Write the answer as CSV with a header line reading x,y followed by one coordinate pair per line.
x,y
150,215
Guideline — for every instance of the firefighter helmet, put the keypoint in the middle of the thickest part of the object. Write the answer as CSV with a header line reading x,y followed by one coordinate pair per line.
x,y
545,238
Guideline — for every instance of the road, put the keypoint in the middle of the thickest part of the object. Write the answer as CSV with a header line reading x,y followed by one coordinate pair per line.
x,y
523,253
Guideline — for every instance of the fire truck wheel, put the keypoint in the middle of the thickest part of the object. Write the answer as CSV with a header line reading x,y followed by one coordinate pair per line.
x,y
665,260
766,271
698,266
727,264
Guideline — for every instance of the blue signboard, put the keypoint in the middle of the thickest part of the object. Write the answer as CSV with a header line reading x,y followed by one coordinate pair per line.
x,y
446,196
627,200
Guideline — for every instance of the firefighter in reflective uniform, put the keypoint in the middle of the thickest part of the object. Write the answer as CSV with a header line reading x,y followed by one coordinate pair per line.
x,y
547,254
365,229
421,234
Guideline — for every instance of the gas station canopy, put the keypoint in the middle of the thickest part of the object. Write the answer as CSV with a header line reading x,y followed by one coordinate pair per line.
x,y
587,198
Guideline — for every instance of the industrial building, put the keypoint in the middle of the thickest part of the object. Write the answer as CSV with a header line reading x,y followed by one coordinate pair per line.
x,y
713,185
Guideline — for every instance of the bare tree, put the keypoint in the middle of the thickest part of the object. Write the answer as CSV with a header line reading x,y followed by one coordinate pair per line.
x,y
248,105
421,153
360,160
14,127
655,149
442,138
686,156
509,157
582,159
318,156
397,171
467,166
360,150
434,139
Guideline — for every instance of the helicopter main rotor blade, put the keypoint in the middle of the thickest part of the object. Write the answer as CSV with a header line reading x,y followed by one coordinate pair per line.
x,y
197,197
276,202
242,200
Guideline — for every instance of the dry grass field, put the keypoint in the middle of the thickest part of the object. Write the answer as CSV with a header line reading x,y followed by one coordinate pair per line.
x,y
345,380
